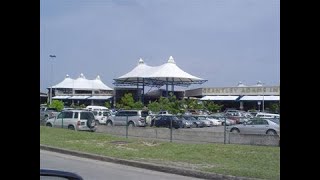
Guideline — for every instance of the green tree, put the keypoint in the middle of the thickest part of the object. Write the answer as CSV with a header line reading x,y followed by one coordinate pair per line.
x,y
154,106
193,104
174,105
211,106
275,108
107,104
59,105
164,104
126,102
137,105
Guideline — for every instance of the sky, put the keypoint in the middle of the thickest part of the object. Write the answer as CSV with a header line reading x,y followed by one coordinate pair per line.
x,y
222,41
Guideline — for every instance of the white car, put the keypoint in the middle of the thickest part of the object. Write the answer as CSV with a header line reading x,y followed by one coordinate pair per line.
x,y
216,122
267,115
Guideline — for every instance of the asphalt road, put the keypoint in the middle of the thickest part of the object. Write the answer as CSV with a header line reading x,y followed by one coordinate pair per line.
x,y
99,170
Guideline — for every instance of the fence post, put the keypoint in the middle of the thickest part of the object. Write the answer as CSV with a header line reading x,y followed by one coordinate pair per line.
x,y
171,130
61,121
156,133
127,127
225,130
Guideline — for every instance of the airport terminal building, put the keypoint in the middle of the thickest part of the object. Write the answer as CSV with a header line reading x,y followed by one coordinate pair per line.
x,y
94,92
81,91
240,97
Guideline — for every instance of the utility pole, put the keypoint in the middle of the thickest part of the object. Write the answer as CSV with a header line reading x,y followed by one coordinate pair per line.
x,y
51,82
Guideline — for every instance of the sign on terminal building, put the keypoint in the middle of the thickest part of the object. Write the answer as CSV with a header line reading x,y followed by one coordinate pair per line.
x,y
266,90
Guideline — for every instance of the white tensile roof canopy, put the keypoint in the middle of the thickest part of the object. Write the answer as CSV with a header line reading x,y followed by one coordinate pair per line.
x,y
82,83
168,73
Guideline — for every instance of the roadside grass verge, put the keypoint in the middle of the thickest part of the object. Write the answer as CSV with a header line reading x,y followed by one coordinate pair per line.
x,y
229,159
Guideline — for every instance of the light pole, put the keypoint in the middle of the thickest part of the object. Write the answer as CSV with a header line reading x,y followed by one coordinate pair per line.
x,y
262,98
261,84
51,56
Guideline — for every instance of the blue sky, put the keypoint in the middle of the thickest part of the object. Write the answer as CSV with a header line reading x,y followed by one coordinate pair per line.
x,y
223,41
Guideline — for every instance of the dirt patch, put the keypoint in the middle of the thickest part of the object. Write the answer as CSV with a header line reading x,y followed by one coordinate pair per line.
x,y
119,142
152,143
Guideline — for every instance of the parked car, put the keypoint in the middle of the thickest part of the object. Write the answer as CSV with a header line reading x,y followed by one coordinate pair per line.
x,y
100,113
208,123
276,120
102,116
223,119
47,112
166,120
135,118
185,123
196,123
163,112
79,120
267,115
256,126
215,122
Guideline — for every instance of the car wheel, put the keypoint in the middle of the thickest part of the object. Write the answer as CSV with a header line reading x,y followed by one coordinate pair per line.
x,y
97,122
70,127
109,123
131,124
49,125
271,132
91,123
235,130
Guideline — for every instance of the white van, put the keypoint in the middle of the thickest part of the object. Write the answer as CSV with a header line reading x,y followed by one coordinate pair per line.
x,y
100,113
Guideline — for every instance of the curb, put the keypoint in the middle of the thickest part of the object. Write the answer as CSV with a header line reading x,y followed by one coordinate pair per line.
x,y
166,169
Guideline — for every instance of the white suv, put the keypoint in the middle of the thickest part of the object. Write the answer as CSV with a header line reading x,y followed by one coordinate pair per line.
x,y
80,120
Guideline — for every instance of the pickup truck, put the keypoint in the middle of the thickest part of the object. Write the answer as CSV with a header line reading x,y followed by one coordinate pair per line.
x,y
46,112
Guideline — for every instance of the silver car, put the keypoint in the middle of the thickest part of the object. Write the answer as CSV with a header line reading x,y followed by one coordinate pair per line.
x,y
128,117
256,126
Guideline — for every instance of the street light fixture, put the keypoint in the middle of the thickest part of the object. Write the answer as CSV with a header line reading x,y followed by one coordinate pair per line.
x,y
51,56
259,103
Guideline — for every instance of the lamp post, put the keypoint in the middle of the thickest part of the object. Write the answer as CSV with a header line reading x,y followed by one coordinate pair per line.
x,y
261,84
262,98
51,56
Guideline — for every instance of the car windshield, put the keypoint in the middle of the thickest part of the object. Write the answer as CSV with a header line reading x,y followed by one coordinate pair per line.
x,y
175,118
144,113
106,114
275,121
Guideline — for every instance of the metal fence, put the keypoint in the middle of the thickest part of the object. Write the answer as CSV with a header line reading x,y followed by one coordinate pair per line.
x,y
216,134
193,135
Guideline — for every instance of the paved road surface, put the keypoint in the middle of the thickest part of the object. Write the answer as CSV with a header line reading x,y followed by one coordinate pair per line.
x,y
98,170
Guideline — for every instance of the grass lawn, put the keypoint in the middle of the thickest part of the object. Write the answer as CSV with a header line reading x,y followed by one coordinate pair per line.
x,y
229,159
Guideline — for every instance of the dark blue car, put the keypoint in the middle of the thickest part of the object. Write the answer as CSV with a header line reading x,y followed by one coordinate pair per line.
x,y
165,121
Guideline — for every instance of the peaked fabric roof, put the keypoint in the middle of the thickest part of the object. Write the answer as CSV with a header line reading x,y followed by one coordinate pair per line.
x,y
137,73
158,75
173,72
82,83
